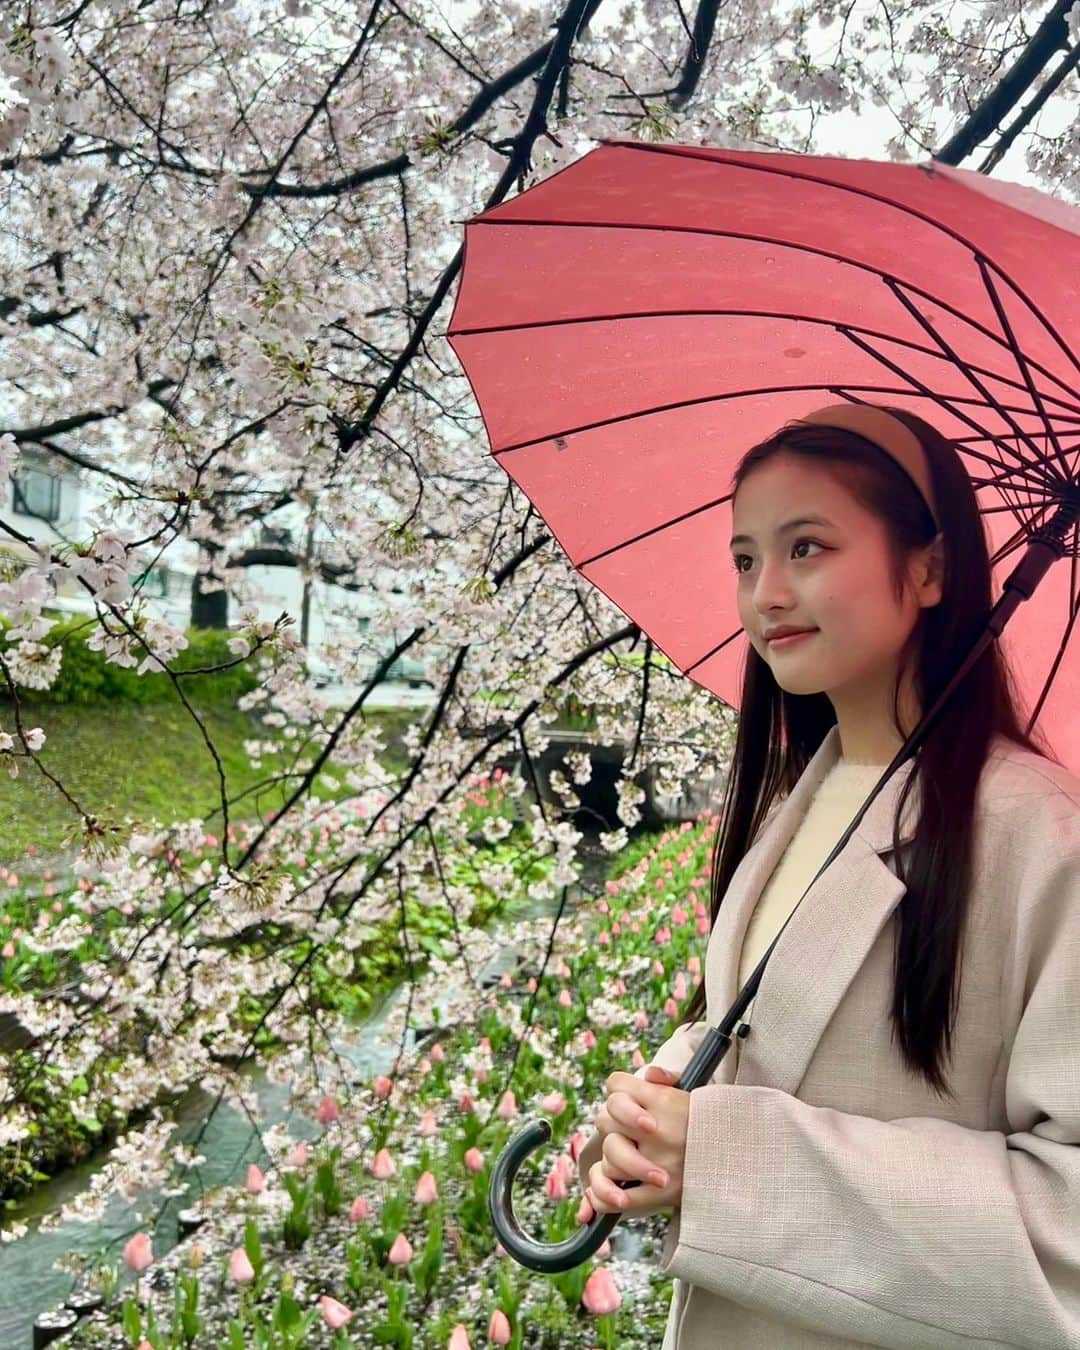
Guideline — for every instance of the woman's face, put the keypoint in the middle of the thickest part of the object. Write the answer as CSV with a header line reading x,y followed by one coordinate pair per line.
x,y
830,577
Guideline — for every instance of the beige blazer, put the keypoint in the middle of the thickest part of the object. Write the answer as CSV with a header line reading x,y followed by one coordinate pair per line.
x,y
830,1199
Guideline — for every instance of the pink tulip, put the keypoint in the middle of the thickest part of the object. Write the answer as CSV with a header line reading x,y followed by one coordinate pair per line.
x,y
532,986
438,1054
612,887
474,1160
641,1020
589,1039
601,1294
554,1103
401,1252
693,965
427,1189
335,1314
663,937
466,1104
619,988
703,925
327,1111
507,1108
359,1209
505,982
481,1075
8,951
565,1000
637,1059
459,1338
499,1328
603,907
603,940
383,1087
428,1125
241,1271
299,1156
578,1140
137,1252
555,1185
144,1345
658,967
255,1180
679,991
671,1008
679,916
383,1167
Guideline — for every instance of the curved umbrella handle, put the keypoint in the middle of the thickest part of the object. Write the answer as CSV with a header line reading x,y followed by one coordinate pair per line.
x,y
549,1258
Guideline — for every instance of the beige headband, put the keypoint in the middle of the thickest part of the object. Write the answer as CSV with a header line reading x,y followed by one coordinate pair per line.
x,y
887,432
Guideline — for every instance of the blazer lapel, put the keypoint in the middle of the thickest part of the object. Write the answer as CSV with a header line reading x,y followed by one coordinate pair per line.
x,y
826,940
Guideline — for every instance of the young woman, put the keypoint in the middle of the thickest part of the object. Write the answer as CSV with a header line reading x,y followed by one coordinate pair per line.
x,y
892,1156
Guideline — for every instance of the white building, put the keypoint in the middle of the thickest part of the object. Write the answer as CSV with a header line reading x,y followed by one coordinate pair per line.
x,y
48,499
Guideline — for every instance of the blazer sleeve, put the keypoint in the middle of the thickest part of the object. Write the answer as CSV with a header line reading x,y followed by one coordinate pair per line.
x,y
914,1232
675,1054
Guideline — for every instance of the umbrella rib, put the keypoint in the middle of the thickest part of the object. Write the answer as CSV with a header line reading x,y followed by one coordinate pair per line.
x,y
984,265
913,310
1071,406
759,239
853,189
702,507
718,398
943,402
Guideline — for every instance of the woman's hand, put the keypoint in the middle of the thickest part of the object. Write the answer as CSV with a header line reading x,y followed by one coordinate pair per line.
x,y
643,1124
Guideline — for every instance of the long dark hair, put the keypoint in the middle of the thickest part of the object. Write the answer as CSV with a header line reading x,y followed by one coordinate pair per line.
x,y
778,732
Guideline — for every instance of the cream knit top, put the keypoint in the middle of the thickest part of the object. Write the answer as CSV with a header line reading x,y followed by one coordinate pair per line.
x,y
839,795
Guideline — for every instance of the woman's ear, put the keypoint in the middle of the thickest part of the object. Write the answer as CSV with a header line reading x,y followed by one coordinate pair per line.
x,y
930,573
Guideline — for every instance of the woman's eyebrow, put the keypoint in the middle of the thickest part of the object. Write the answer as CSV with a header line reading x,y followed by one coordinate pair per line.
x,y
787,525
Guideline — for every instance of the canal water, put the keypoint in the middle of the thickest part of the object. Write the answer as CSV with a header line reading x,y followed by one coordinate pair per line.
x,y
29,1283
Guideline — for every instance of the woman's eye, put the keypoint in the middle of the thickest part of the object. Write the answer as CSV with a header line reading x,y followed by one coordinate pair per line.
x,y
739,556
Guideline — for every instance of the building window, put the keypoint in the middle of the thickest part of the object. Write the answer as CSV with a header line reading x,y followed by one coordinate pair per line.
x,y
36,493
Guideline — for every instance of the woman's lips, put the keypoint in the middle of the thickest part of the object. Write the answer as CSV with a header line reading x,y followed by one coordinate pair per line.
x,y
791,638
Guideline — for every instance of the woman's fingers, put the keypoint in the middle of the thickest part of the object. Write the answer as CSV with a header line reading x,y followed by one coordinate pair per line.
x,y
621,1159
620,1114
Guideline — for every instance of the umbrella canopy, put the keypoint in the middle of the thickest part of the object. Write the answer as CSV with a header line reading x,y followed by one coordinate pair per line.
x,y
631,325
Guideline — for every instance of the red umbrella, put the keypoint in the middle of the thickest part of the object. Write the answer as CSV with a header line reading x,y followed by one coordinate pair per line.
x,y
643,316
634,323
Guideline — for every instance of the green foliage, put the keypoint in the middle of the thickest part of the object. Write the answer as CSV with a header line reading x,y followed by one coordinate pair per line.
x,y
87,677
395,1330
296,1228
186,1320
327,1187
253,1247
427,1268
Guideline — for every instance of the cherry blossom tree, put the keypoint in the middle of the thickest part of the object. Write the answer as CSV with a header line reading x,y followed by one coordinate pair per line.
x,y
231,237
